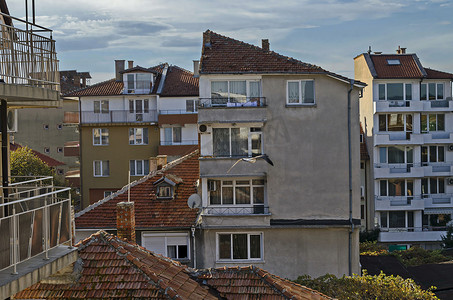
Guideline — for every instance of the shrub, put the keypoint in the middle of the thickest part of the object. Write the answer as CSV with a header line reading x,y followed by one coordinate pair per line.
x,y
367,287
416,256
447,240
373,249
369,236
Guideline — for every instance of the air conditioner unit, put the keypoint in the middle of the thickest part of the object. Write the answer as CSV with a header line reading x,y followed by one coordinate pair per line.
x,y
450,180
12,120
204,128
450,147
212,186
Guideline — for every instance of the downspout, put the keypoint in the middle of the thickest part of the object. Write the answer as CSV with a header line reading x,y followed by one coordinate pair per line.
x,y
350,179
194,248
5,145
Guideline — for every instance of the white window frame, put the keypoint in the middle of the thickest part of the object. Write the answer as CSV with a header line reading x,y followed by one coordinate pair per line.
x,y
405,187
428,155
438,180
192,106
249,140
101,167
261,258
426,85
404,91
108,193
167,236
168,191
145,136
135,89
101,132
301,100
137,162
427,123
247,87
387,226
406,148
220,184
404,122
172,136
101,106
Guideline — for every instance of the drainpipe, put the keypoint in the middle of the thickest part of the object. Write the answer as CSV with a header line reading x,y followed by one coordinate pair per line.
x,y
5,145
194,248
350,179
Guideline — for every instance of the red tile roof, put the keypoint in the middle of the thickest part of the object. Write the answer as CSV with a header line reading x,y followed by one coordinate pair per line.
x,y
45,158
434,74
180,82
150,212
106,88
113,268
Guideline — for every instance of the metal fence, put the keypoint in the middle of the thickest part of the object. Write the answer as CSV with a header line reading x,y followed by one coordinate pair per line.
x,y
35,219
233,102
28,58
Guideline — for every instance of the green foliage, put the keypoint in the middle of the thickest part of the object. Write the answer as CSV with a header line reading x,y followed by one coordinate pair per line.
x,y
373,249
369,236
367,287
25,163
416,256
447,240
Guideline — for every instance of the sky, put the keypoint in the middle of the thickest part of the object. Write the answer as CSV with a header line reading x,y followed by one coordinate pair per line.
x,y
91,34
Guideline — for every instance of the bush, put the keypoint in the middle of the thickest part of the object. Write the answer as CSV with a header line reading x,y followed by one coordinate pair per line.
x,y
447,240
367,287
369,236
416,256
373,249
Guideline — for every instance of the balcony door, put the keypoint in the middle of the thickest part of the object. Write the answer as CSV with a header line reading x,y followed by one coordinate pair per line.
x,y
138,108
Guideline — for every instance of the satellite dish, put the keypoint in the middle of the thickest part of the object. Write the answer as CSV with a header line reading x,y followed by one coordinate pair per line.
x,y
194,201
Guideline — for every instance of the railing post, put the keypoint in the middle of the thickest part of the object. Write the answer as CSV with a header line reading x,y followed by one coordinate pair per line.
x,y
46,229
71,235
15,240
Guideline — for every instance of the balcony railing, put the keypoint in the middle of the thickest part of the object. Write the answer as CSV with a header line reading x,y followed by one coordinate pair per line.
x,y
233,102
414,229
118,116
35,219
176,112
180,143
27,58
256,209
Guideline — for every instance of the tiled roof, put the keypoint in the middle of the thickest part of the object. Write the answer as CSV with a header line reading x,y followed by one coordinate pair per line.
x,y
138,68
254,283
45,158
150,212
106,88
434,74
180,82
112,268
409,66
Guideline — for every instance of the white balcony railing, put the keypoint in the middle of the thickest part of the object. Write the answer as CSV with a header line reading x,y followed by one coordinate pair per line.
x,y
118,116
397,170
35,219
180,143
231,210
27,58
383,203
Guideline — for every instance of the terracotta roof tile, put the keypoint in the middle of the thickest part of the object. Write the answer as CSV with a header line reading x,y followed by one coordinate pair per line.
x,y
106,88
180,82
150,212
434,74
409,66
45,158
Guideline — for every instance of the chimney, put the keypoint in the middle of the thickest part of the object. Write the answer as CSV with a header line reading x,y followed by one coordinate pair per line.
x,y
77,81
401,50
161,161
119,66
152,164
130,64
125,221
265,44
84,81
196,68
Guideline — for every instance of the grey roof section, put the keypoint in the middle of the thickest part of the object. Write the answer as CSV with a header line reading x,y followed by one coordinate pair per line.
x,y
417,61
370,64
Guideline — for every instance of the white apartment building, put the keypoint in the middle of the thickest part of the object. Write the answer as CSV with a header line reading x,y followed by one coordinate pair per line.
x,y
406,114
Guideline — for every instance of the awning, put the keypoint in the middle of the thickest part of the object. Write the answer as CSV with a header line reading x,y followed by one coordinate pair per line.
x,y
438,211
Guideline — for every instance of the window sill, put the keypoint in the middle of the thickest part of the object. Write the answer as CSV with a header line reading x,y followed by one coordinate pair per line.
x,y
310,105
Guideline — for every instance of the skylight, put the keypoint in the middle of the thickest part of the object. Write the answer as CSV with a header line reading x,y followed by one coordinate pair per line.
x,y
393,61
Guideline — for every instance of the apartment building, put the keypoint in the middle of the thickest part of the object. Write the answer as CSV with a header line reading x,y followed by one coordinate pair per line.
x,y
301,215
407,116
120,129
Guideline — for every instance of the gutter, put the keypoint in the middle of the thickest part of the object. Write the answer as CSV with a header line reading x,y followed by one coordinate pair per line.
x,y
350,179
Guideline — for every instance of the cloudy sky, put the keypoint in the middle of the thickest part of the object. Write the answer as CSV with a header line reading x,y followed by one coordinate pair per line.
x,y
91,34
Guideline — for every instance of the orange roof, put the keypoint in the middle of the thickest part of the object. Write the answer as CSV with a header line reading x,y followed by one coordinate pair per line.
x,y
150,212
180,82
434,74
113,268
45,158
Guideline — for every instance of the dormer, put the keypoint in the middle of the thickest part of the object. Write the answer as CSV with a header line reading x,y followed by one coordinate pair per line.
x,y
138,80
165,187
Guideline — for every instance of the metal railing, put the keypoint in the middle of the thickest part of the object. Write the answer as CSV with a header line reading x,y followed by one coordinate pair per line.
x,y
176,112
27,58
413,229
138,87
233,102
255,209
35,219
118,116
181,143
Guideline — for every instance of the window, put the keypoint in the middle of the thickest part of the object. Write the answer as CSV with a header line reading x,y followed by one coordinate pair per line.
x,y
172,135
236,142
395,91
101,106
46,126
432,91
138,136
100,136
59,150
59,126
139,167
108,193
192,105
397,219
172,245
46,150
433,185
234,91
139,83
432,122
60,171
139,107
237,192
361,138
396,155
432,154
397,187
240,246
395,122
164,191
101,168
300,92
393,62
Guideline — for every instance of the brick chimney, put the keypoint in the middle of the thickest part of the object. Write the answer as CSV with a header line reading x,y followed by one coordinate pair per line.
x,y
161,161
130,64
152,164
77,81
265,44
119,66
196,68
125,221
401,50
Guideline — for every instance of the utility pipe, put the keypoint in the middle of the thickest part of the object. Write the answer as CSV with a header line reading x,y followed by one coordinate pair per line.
x,y
350,179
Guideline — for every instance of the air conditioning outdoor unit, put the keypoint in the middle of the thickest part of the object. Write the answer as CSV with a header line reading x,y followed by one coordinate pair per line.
x,y
212,186
450,180
204,129
450,147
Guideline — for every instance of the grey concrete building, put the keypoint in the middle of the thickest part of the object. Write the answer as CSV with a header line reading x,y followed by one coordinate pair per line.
x,y
301,215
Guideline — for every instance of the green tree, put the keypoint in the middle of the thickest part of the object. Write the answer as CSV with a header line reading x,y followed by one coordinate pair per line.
x,y
447,240
25,163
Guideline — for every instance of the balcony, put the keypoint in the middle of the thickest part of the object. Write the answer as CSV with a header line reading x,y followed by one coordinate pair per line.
x,y
384,203
438,200
28,64
411,234
397,106
181,117
398,137
398,170
437,169
177,148
238,110
35,233
236,210
118,116
437,105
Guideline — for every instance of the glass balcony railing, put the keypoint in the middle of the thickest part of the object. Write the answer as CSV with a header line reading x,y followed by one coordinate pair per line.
x,y
118,116
255,209
35,219
233,102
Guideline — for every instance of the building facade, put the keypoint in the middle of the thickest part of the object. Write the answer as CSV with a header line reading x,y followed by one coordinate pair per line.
x,y
252,102
407,117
